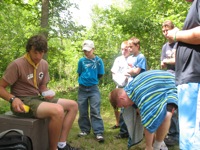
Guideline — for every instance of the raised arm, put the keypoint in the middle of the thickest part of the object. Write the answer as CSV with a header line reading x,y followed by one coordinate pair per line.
x,y
191,36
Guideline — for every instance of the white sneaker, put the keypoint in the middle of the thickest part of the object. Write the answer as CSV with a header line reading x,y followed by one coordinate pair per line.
x,y
82,133
100,138
163,146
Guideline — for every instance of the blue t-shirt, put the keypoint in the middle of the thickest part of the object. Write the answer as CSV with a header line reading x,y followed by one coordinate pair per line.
x,y
138,61
89,69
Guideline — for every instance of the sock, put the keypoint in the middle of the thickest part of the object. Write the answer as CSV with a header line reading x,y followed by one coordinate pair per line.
x,y
157,145
61,144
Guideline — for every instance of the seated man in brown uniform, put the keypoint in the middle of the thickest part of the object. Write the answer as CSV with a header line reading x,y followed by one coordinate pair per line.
x,y
27,77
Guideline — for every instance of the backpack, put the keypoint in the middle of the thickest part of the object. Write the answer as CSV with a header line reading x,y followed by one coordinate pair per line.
x,y
14,139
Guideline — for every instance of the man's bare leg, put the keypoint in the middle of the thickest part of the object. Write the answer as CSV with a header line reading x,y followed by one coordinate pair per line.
x,y
162,131
71,109
55,113
163,128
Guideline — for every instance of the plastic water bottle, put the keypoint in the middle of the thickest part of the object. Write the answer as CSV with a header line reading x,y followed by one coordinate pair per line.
x,y
48,93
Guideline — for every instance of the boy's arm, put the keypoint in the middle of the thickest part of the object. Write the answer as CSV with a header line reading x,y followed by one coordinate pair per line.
x,y
101,70
79,68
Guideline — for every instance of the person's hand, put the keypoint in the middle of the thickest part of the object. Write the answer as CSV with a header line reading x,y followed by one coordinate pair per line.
x,y
165,61
130,71
49,94
17,105
127,75
171,34
163,65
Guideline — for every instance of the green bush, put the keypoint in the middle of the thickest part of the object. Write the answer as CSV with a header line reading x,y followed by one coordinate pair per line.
x,y
4,106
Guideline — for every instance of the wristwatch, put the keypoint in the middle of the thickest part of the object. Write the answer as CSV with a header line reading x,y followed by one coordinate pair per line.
x,y
12,99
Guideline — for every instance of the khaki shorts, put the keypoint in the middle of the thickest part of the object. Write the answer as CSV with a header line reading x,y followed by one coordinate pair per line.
x,y
33,102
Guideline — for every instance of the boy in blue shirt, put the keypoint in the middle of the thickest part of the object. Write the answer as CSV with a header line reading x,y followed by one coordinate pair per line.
x,y
90,70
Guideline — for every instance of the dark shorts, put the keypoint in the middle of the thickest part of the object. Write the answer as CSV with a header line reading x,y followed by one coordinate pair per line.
x,y
33,102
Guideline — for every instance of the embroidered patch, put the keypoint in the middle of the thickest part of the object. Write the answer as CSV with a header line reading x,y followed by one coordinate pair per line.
x,y
30,76
41,75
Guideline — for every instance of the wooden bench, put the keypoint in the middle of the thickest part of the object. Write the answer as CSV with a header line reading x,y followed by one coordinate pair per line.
x,y
36,129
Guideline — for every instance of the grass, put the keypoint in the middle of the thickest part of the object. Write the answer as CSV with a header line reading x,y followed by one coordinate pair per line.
x,y
111,143
89,143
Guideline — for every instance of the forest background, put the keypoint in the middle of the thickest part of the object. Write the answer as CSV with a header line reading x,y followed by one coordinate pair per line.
x,y
20,19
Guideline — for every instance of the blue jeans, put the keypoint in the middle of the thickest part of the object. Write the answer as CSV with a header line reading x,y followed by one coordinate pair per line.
x,y
90,97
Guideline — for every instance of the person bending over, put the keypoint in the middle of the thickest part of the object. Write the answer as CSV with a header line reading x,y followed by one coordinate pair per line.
x,y
154,94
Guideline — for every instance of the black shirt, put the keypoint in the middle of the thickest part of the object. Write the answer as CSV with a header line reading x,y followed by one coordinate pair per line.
x,y
188,55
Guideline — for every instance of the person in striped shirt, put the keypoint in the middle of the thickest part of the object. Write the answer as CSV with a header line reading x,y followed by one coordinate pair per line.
x,y
154,94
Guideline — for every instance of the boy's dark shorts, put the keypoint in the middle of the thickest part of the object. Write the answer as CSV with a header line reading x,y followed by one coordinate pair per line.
x,y
33,102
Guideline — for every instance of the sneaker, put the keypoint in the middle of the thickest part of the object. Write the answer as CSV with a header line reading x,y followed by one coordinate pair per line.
x,y
115,127
163,146
100,138
122,136
83,133
68,147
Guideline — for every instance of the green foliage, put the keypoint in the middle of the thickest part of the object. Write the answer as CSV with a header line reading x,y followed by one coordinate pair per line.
x,y
20,20
4,106
111,26
142,19
60,19
14,26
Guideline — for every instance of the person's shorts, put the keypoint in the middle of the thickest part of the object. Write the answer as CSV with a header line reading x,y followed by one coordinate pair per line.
x,y
189,116
33,102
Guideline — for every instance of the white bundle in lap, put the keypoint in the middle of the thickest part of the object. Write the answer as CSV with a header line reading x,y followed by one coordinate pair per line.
x,y
120,80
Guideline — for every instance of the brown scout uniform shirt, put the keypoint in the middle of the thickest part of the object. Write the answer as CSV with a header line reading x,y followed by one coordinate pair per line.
x,y
19,74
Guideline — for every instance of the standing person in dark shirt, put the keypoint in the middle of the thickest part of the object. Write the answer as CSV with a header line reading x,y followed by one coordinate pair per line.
x,y
168,63
188,77
168,49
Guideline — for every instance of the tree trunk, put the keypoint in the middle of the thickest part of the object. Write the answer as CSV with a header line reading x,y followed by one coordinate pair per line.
x,y
45,17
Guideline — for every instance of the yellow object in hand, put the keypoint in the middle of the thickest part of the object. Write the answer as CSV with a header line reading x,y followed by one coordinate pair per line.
x,y
26,108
